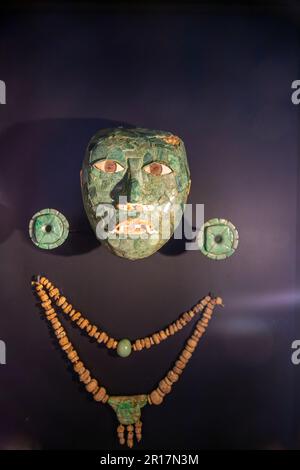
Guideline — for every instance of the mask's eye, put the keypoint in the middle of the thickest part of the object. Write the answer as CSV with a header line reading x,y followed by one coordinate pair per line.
x,y
157,169
108,166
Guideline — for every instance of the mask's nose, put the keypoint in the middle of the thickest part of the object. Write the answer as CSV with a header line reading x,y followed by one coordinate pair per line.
x,y
135,180
131,184
133,194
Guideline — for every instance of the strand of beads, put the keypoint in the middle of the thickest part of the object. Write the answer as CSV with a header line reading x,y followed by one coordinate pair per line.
x,y
92,386
173,328
123,346
157,396
83,323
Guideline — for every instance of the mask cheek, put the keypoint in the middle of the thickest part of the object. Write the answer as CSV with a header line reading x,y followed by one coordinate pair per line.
x,y
99,188
156,191
180,184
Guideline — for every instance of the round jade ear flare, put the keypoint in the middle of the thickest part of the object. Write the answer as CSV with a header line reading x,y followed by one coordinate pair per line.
x,y
218,239
48,229
124,348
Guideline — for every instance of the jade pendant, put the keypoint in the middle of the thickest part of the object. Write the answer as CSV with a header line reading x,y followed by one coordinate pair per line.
x,y
128,411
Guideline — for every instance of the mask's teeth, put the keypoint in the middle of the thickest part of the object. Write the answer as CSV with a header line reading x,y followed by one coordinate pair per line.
x,y
134,226
135,207
150,230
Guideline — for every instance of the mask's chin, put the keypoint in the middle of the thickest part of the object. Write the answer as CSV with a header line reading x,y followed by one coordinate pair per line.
x,y
134,249
137,237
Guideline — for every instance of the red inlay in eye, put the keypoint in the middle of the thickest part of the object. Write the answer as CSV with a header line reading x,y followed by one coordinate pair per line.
x,y
155,169
110,166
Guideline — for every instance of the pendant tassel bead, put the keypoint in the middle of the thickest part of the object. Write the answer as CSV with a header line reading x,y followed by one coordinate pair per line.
x,y
120,432
130,436
138,431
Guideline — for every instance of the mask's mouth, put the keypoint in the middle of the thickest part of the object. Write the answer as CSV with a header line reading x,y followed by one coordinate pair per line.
x,y
135,207
134,226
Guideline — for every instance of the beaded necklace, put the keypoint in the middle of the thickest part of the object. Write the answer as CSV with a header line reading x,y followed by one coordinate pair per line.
x,y
124,347
127,408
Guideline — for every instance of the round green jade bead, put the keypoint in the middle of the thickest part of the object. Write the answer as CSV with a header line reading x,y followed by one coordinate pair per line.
x,y
124,348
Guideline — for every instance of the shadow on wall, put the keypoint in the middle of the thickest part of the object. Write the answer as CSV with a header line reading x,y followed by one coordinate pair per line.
x,y
40,168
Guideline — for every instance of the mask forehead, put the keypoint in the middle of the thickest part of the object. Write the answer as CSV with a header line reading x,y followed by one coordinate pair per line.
x,y
145,144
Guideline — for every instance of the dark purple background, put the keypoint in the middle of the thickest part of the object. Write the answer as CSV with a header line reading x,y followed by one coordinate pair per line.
x,y
222,83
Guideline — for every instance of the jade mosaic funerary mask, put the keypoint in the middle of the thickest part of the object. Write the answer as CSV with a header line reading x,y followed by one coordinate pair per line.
x,y
134,183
